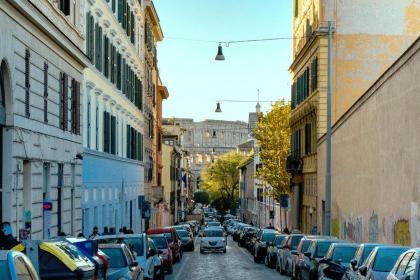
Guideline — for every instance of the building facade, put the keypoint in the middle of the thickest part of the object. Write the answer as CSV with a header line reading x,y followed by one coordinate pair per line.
x,y
206,140
152,35
376,159
362,48
41,71
113,131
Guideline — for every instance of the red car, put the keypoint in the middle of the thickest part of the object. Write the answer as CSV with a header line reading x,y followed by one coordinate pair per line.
x,y
164,251
172,238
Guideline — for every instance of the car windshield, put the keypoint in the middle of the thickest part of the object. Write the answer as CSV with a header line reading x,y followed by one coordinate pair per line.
x,y
182,233
386,258
116,257
160,242
268,236
344,254
135,244
213,224
213,233
366,253
279,240
295,242
305,245
322,249
168,236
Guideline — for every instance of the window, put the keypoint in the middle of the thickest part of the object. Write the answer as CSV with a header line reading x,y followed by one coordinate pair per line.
x,y
308,138
106,57
22,271
98,47
64,6
89,121
107,132
60,185
90,29
63,101
411,266
314,74
97,127
403,265
46,92
27,82
75,107
113,135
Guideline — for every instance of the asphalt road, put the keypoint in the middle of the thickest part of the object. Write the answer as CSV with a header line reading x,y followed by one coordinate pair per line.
x,y
236,264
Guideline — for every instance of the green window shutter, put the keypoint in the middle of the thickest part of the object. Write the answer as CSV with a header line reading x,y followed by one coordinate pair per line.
x,y
106,132
111,64
113,6
132,142
27,82
105,57
133,28
128,18
113,134
124,19
128,142
119,71
120,10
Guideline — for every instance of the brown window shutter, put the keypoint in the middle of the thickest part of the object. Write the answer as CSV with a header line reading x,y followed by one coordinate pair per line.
x,y
65,101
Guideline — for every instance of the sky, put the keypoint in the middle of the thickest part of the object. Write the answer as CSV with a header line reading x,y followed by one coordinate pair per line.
x,y
196,81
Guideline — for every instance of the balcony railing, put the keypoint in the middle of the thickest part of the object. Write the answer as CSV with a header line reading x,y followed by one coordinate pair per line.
x,y
294,164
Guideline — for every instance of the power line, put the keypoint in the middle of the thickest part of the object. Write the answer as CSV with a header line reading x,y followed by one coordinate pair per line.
x,y
227,43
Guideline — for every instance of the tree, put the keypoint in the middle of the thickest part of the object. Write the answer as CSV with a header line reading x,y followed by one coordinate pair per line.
x,y
273,137
221,180
202,197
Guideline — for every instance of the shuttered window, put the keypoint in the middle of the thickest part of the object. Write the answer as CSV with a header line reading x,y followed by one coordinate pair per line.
x,y
64,6
113,134
98,47
46,92
113,4
120,10
75,107
119,71
133,28
27,83
128,20
106,57
89,121
112,64
63,101
106,137
308,138
314,74
90,30
128,144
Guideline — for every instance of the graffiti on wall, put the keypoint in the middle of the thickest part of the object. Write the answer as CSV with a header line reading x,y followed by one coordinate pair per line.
x,y
335,227
353,229
373,228
402,233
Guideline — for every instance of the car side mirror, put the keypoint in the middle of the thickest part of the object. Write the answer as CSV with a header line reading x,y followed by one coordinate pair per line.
x,y
134,264
353,263
363,270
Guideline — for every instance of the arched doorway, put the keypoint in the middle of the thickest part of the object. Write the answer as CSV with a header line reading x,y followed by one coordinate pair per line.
x,y
4,85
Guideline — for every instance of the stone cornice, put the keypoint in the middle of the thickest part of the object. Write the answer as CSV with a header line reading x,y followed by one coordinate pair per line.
x,y
90,85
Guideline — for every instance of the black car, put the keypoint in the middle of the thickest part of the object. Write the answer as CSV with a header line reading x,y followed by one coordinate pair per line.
x,y
246,235
316,252
272,250
240,228
265,238
186,240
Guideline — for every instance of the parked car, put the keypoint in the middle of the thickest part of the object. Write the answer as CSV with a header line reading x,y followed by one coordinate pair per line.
x,y
287,252
61,259
122,264
316,251
361,255
164,251
15,266
407,266
139,245
214,224
186,239
239,228
380,262
173,239
265,238
302,248
213,240
338,253
246,234
272,250
184,227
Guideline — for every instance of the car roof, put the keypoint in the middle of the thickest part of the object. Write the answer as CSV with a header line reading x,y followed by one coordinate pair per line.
x,y
111,245
381,248
160,230
157,235
345,245
138,235
213,228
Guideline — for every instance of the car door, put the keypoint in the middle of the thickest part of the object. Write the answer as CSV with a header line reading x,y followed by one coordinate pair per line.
x,y
23,271
307,260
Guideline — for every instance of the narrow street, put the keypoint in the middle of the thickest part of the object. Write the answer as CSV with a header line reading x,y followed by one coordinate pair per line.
x,y
236,264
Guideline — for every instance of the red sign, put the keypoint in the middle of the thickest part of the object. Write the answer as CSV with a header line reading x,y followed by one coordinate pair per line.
x,y
47,206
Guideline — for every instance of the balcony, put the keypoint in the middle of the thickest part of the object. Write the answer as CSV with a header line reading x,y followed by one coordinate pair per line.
x,y
294,164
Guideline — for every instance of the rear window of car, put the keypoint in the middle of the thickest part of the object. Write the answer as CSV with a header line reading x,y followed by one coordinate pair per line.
x,y
213,224
213,233
305,245
168,236
268,236
116,257
4,270
134,244
344,254
386,258
295,241
322,249
160,242
279,240
182,233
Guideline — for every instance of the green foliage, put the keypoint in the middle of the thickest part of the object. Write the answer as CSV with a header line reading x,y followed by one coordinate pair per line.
x,y
273,136
202,197
221,181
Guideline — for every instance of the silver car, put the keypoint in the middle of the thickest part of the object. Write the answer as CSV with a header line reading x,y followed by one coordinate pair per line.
x,y
213,240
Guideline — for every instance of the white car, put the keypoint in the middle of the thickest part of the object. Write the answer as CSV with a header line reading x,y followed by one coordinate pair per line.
x,y
213,240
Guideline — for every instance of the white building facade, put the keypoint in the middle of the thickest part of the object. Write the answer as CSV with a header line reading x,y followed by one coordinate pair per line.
x,y
41,73
113,180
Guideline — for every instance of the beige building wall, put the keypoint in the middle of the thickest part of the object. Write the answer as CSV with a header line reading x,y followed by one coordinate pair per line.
x,y
375,160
